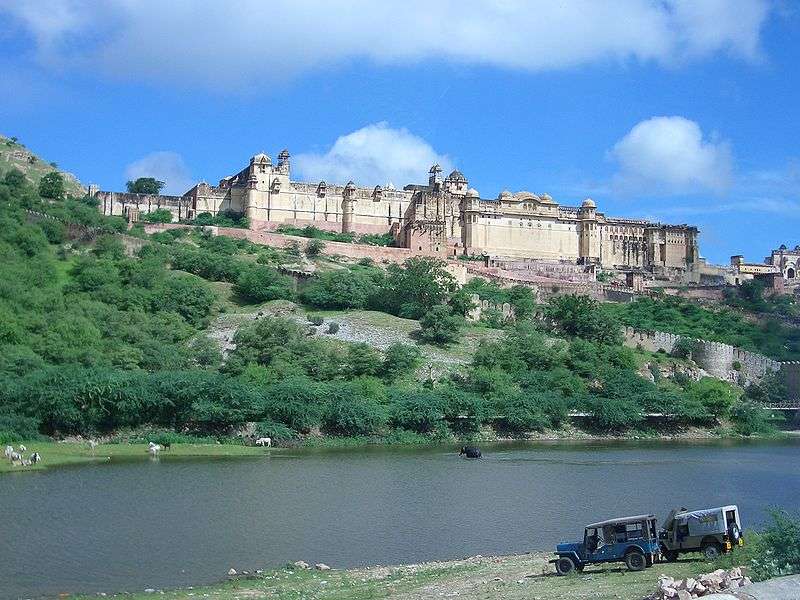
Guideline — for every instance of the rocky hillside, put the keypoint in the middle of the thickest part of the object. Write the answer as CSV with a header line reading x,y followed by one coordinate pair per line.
x,y
13,154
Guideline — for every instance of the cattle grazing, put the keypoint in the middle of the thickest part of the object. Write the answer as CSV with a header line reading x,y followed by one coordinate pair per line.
x,y
35,458
264,441
92,445
9,451
167,445
22,448
470,452
153,448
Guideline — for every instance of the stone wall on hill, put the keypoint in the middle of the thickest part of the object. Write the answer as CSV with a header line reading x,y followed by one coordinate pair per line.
x,y
719,360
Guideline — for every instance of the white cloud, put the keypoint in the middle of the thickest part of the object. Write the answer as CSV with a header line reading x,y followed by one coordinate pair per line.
x,y
164,166
669,155
250,42
373,155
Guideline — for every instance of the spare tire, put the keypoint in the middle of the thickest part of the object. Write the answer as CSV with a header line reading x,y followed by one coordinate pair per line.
x,y
734,533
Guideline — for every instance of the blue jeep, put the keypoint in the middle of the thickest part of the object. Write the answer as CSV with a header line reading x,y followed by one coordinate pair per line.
x,y
633,540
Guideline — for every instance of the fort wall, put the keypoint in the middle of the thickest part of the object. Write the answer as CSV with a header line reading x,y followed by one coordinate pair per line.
x,y
482,306
719,360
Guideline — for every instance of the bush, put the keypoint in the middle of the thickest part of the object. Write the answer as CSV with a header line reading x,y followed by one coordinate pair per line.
x,y
51,186
401,359
777,551
339,289
109,246
583,317
333,327
522,412
315,320
683,348
750,419
160,215
349,413
718,397
315,247
419,410
440,326
260,283
613,414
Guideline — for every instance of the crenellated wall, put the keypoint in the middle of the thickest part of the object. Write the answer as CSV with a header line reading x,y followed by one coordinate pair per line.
x,y
483,305
716,358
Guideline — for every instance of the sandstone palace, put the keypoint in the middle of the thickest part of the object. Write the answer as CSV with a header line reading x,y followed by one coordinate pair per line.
x,y
444,216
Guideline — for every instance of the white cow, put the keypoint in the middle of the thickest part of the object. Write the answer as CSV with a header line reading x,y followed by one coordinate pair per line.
x,y
92,445
9,451
153,449
22,448
264,441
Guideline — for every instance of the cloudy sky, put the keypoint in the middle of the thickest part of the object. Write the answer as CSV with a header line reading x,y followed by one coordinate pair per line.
x,y
676,110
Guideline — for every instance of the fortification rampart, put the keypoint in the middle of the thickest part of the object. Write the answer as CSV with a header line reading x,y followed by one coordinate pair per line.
x,y
279,240
719,360
480,307
119,203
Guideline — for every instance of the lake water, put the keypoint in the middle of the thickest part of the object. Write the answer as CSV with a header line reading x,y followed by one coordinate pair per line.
x,y
131,525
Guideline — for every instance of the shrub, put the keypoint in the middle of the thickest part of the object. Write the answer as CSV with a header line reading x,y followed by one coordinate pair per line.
x,y
51,186
315,247
613,414
160,215
750,419
716,396
109,246
777,551
333,327
260,283
583,317
339,289
315,320
352,414
419,410
683,348
440,326
363,359
401,359
522,412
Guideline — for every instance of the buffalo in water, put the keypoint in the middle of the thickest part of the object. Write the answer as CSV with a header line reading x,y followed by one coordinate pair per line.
x,y
470,451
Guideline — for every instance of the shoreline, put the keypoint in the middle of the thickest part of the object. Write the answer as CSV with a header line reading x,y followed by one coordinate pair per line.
x,y
76,453
505,576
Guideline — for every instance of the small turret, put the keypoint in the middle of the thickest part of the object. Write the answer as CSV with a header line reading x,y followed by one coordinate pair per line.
x,y
348,200
435,177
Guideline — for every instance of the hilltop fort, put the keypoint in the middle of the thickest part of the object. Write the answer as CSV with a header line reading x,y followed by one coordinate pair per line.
x,y
444,216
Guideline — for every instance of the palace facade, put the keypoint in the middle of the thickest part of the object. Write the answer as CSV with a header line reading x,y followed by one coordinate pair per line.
x,y
444,216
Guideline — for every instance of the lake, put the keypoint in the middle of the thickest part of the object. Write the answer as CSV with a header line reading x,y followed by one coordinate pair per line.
x,y
136,524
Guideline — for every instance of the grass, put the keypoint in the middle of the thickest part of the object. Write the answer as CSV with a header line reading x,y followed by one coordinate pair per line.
x,y
56,454
512,577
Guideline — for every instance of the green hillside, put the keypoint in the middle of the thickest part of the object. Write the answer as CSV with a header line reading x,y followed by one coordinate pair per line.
x,y
14,155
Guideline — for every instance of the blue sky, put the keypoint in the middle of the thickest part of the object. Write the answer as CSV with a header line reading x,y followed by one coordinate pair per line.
x,y
675,110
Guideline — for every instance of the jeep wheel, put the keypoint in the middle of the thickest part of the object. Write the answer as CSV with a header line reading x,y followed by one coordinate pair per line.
x,y
565,565
711,550
635,561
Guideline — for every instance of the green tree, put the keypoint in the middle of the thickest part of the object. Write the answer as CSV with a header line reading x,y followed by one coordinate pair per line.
x,y
339,289
440,326
400,359
718,397
417,410
14,178
581,316
145,185
51,186
160,215
260,283
415,288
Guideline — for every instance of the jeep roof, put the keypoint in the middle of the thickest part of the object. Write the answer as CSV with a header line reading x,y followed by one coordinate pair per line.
x,y
621,520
